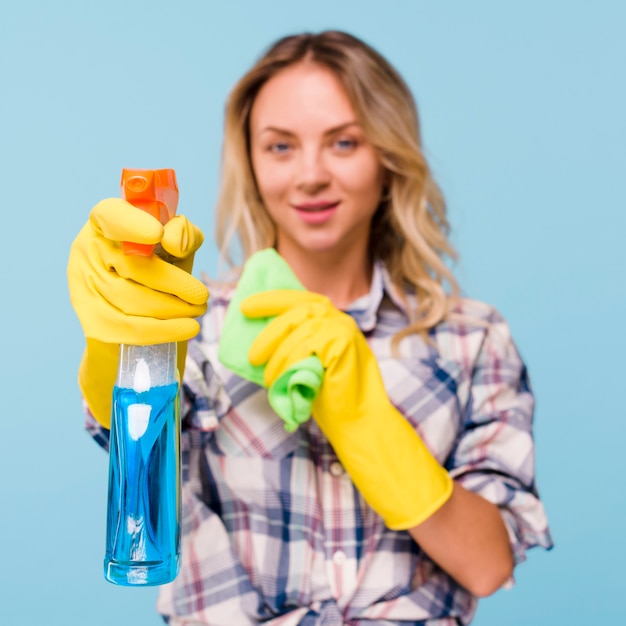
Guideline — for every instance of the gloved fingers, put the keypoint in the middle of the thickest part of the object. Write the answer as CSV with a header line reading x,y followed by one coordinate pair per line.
x,y
281,327
275,302
181,238
115,327
328,338
132,298
291,349
127,298
118,220
152,272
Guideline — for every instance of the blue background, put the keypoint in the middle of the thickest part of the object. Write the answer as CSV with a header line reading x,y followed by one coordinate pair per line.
x,y
523,113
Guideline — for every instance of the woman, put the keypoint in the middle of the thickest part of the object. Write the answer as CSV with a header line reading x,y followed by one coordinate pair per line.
x,y
411,491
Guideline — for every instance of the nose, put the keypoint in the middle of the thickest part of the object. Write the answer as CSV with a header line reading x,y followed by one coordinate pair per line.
x,y
312,175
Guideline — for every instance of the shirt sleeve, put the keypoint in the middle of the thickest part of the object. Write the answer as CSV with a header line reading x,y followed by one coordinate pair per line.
x,y
99,433
495,455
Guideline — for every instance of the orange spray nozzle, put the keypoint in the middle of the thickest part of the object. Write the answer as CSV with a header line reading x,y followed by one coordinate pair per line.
x,y
153,191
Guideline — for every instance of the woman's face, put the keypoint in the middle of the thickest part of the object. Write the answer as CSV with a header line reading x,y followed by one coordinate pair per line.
x,y
319,177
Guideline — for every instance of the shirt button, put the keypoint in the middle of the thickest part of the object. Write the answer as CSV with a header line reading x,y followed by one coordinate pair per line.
x,y
339,557
336,469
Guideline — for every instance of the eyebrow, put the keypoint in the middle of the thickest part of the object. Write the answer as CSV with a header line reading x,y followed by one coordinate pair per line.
x,y
330,131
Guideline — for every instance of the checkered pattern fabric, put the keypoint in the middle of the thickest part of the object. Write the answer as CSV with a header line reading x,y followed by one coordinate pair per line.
x,y
274,531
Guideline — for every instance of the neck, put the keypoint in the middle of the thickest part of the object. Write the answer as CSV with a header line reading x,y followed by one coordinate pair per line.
x,y
341,277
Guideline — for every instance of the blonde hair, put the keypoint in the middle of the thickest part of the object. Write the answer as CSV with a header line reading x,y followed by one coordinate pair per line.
x,y
410,228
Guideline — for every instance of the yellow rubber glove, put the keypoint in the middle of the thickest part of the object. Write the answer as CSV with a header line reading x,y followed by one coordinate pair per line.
x,y
131,299
386,459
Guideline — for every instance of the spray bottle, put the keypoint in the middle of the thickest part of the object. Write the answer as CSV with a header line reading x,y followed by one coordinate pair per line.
x,y
143,517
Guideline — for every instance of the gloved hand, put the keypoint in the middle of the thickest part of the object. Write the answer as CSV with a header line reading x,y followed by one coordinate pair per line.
x,y
386,459
131,299
291,395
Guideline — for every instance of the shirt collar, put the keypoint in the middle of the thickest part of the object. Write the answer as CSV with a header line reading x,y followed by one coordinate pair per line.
x,y
364,310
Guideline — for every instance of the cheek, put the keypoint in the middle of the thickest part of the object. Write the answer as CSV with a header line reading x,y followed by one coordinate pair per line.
x,y
272,180
364,178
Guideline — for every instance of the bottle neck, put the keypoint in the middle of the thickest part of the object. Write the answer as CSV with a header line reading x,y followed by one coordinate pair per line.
x,y
143,367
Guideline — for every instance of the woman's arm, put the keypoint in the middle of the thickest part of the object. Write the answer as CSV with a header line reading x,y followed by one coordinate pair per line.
x,y
467,538
494,513
450,509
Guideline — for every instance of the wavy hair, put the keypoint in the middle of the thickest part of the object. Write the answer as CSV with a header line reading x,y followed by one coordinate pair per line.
x,y
409,229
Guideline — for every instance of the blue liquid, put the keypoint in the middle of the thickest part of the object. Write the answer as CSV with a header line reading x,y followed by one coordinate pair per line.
x,y
143,519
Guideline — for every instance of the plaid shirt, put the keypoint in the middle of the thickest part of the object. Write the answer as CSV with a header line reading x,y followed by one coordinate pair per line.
x,y
274,531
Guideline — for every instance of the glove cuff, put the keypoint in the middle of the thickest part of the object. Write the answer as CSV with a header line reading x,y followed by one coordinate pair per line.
x,y
96,377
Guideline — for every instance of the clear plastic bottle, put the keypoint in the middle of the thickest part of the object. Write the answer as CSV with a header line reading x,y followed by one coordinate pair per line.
x,y
143,517
143,520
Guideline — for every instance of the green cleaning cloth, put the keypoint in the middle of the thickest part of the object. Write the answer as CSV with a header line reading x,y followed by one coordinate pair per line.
x,y
293,393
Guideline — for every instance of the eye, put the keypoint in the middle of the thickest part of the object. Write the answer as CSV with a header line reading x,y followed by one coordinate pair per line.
x,y
279,147
345,144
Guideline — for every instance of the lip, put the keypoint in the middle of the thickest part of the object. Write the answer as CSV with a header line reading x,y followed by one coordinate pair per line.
x,y
315,212
315,206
